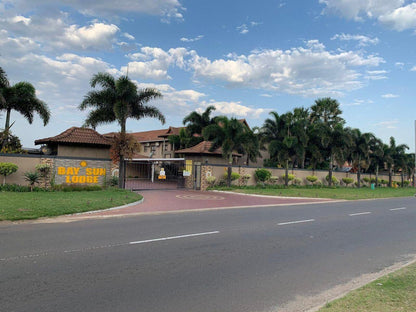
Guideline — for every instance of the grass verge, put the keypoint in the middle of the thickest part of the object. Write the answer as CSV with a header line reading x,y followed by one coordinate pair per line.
x,y
33,205
324,192
393,292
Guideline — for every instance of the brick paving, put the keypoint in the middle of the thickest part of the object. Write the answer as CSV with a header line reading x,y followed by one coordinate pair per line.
x,y
156,201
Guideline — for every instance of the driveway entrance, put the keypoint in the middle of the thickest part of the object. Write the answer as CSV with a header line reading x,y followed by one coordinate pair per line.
x,y
154,173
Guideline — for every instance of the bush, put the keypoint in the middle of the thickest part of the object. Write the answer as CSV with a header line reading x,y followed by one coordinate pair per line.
x,y
290,177
7,169
262,175
76,188
384,182
234,176
373,180
245,178
14,188
211,181
32,178
347,180
297,181
334,180
273,179
406,183
113,181
367,180
312,178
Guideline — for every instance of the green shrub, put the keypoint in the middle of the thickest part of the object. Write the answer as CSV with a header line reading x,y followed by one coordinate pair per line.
x,y
347,180
234,176
76,188
384,182
290,177
273,179
32,178
262,175
245,178
406,183
211,181
7,169
113,181
318,183
14,188
373,180
334,180
312,178
297,181
366,180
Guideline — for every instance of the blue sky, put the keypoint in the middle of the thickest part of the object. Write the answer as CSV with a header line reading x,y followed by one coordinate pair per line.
x,y
247,58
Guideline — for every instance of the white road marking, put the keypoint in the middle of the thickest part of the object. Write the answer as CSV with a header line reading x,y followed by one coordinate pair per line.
x,y
295,222
401,208
359,213
172,237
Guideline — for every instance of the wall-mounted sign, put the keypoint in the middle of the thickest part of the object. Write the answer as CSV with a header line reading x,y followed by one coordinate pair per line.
x,y
162,174
82,174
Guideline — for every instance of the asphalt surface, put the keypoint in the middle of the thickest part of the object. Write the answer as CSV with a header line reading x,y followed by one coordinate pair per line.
x,y
253,259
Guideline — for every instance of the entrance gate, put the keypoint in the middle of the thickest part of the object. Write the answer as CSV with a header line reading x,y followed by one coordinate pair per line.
x,y
149,174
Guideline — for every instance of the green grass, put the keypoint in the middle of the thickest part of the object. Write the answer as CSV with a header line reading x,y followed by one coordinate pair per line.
x,y
33,205
394,292
324,192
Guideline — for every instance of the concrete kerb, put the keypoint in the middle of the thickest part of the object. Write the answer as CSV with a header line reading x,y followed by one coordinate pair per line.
x,y
275,196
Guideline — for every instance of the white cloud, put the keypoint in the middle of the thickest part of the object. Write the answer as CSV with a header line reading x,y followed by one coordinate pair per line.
x,y
362,40
128,36
309,71
390,96
197,38
266,95
413,68
244,28
167,9
390,124
376,74
95,36
232,109
153,63
402,18
392,13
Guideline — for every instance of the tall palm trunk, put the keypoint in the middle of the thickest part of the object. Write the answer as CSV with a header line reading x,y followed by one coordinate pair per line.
x,y
229,170
359,173
377,175
330,170
121,166
287,173
390,175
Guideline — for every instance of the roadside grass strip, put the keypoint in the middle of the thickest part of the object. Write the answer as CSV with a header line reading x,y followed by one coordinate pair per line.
x,y
347,193
393,292
32,205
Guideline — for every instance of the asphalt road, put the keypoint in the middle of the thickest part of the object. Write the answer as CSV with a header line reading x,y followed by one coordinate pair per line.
x,y
225,260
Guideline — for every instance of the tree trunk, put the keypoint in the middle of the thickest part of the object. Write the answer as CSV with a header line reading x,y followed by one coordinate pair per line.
x,y
377,175
359,175
402,176
230,162
287,173
390,178
330,171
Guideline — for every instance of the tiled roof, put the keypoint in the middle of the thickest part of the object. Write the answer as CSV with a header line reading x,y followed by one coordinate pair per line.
x,y
172,131
77,135
203,148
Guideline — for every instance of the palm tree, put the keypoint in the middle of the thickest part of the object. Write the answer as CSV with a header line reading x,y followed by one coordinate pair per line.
x,y
197,122
377,155
4,83
328,123
360,150
393,155
21,97
119,100
230,135
252,145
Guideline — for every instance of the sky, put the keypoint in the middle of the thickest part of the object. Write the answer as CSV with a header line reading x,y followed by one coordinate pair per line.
x,y
247,58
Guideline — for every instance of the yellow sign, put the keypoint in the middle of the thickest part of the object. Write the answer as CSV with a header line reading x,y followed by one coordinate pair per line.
x,y
188,166
88,175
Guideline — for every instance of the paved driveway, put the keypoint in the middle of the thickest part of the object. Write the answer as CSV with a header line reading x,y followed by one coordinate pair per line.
x,y
156,201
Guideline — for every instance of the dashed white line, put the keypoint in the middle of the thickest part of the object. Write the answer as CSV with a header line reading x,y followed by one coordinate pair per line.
x,y
401,208
295,222
172,237
359,214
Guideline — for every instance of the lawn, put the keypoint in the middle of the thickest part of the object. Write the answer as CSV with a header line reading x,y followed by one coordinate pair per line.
x,y
33,205
324,192
394,292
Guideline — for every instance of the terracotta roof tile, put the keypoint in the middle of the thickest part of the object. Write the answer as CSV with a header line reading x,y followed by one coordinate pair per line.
x,y
77,135
203,148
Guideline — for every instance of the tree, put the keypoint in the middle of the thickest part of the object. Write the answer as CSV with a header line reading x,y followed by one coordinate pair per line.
x,y
360,150
377,155
4,83
393,156
252,145
196,122
21,97
7,169
118,100
230,135
328,123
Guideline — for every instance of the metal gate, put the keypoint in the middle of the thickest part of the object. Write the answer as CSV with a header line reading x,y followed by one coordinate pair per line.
x,y
148,174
